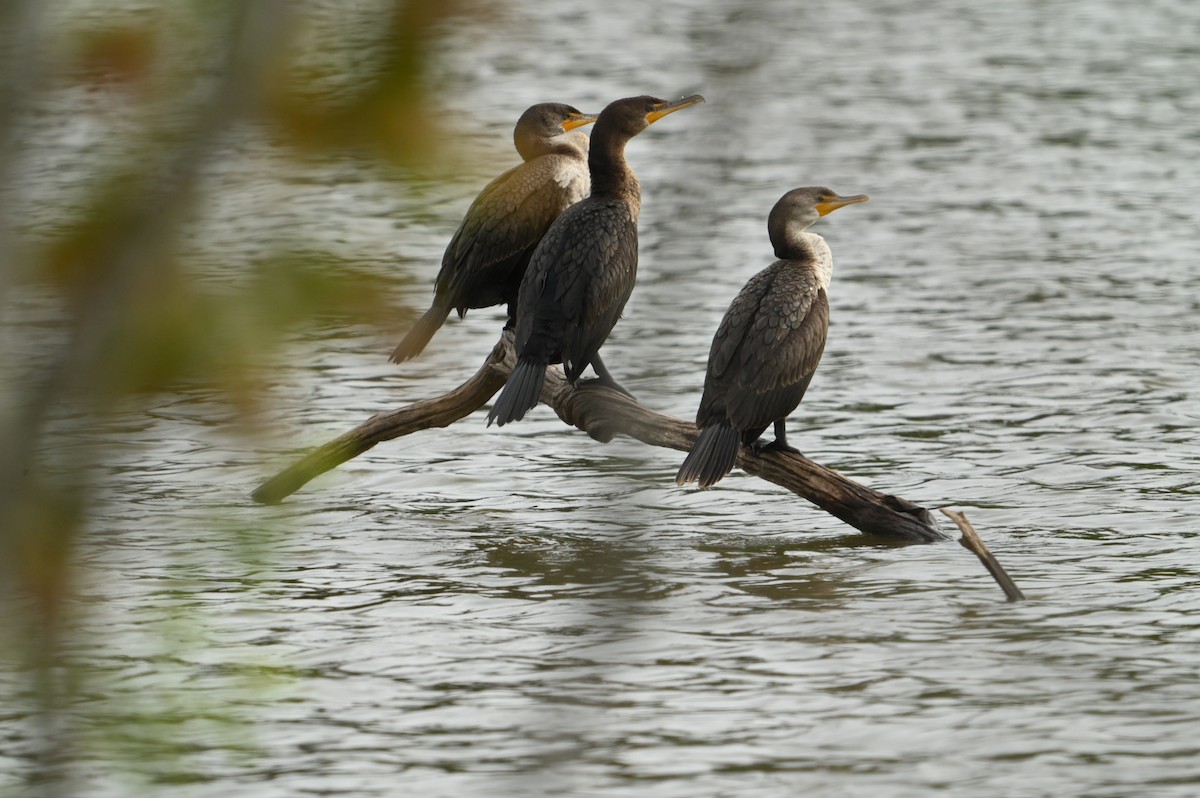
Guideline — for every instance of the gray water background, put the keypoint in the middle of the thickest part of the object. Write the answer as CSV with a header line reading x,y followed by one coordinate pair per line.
x,y
486,612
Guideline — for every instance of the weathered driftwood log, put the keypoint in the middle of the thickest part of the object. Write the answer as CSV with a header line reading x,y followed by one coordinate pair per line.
x,y
603,413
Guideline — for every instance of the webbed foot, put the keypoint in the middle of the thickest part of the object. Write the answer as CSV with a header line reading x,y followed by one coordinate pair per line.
x,y
609,383
759,446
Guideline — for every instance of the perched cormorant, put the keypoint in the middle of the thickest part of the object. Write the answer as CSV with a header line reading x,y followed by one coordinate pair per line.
x,y
583,272
769,343
486,259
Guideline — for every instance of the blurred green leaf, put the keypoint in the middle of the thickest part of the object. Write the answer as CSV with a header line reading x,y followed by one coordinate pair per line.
x,y
165,84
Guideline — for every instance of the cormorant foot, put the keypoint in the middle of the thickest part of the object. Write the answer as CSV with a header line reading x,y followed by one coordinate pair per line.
x,y
759,446
616,386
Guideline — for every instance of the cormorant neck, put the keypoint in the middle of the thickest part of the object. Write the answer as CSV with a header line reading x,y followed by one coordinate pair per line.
x,y
791,240
571,142
799,246
611,175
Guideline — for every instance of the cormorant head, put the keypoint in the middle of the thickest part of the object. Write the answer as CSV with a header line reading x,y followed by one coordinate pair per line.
x,y
630,116
800,207
544,121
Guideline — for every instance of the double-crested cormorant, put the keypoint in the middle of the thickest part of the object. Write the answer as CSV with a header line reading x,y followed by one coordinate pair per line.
x,y
583,272
486,259
770,341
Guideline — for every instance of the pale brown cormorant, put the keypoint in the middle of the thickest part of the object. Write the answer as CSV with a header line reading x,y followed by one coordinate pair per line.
x,y
769,343
583,272
486,259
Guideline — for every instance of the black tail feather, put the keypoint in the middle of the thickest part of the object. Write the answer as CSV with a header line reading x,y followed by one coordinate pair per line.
x,y
520,393
419,335
713,456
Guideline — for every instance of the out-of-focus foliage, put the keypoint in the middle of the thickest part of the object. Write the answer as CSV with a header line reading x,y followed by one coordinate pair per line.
x,y
130,316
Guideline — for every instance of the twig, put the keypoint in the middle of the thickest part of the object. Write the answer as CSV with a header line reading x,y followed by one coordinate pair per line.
x,y
970,540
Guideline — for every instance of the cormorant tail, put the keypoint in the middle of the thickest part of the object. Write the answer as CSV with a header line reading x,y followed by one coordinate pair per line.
x,y
520,393
712,457
419,335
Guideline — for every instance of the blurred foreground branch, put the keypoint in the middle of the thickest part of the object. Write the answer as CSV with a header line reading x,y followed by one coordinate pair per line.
x,y
125,258
120,129
603,414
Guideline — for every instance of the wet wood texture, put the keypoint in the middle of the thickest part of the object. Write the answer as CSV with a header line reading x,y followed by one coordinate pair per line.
x,y
603,414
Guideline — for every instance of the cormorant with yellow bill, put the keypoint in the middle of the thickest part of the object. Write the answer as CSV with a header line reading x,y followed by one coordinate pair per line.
x,y
486,259
583,272
769,343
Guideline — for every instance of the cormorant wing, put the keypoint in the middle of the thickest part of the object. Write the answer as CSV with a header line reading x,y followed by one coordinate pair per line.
x,y
577,283
767,347
593,292
506,221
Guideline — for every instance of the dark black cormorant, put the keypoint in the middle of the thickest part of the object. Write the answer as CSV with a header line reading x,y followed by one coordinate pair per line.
x,y
486,259
770,341
582,273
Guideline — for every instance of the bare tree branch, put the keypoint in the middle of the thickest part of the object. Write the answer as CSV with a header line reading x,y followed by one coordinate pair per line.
x,y
970,540
440,412
603,413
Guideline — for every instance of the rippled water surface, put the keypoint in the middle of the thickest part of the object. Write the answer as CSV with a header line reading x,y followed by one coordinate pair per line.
x,y
486,612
